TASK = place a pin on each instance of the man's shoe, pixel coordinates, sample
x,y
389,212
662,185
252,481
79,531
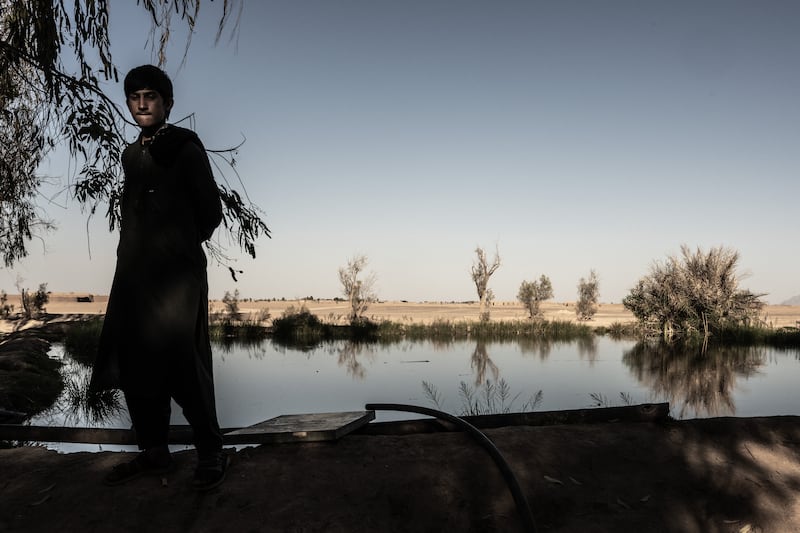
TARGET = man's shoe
x,y
151,462
211,471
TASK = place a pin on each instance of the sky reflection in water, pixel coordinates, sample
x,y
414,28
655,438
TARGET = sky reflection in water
x,y
258,382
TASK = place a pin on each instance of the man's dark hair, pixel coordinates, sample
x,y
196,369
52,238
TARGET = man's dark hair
x,y
149,77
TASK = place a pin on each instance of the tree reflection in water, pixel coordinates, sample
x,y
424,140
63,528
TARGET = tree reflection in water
x,y
540,346
349,354
587,348
700,382
441,345
254,348
481,362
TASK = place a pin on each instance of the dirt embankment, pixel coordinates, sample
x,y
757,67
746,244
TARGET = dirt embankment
x,y
716,475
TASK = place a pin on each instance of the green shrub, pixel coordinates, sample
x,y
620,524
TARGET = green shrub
x,y
698,292
621,330
588,295
532,293
5,308
300,326
33,304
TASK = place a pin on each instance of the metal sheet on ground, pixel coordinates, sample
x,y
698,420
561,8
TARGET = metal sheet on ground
x,y
311,427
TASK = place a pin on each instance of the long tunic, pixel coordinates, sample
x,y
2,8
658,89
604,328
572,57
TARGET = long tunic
x,y
156,324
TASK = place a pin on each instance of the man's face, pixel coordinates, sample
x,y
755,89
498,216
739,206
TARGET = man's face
x,y
148,107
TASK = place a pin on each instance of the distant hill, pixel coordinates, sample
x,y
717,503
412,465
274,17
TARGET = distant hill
x,y
794,300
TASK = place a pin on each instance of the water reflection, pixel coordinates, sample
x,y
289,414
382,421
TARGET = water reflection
x,y
536,346
282,344
481,363
256,381
699,382
348,357
587,348
442,345
542,347
226,339
255,349
76,406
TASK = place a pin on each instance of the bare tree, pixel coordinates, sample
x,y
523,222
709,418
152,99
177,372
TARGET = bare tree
x,y
588,295
481,272
533,293
358,288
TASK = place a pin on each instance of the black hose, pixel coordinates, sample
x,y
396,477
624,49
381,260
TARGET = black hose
x,y
523,508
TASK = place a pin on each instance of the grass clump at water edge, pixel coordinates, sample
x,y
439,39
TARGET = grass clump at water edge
x,y
492,398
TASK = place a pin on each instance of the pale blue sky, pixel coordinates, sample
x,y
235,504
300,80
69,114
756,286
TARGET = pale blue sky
x,y
571,135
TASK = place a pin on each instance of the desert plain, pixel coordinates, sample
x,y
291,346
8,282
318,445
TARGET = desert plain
x,y
65,306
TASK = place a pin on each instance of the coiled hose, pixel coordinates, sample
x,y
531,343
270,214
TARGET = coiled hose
x,y
524,510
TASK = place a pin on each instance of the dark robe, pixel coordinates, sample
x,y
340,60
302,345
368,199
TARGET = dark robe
x,y
156,324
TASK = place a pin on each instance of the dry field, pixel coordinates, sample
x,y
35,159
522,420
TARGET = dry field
x,y
67,306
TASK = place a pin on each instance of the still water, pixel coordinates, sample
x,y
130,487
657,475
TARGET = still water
x,y
258,382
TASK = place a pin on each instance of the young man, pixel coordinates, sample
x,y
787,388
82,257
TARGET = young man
x,y
154,345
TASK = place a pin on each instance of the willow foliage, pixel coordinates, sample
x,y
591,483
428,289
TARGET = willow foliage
x,y
54,59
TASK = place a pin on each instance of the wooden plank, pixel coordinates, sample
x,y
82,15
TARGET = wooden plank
x,y
650,412
287,428
653,412
23,433
183,434
312,427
